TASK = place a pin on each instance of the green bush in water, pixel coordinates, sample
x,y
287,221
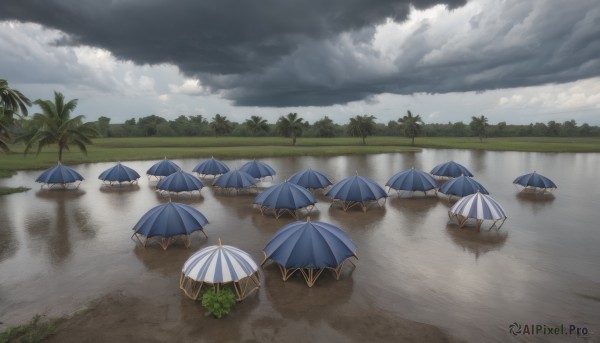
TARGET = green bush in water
x,y
218,303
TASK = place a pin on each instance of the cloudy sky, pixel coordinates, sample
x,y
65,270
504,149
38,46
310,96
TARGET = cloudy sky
x,y
518,61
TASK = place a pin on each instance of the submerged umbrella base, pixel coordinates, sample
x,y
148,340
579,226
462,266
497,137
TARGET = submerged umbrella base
x,y
164,242
243,287
311,274
364,205
184,194
232,190
119,183
463,221
278,212
535,190
70,185
400,192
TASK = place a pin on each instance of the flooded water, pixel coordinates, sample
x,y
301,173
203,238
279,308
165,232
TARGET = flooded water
x,y
59,250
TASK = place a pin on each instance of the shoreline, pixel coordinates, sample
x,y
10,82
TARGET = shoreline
x,y
152,148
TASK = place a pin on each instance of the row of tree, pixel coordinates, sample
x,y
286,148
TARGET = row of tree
x,y
55,125
293,126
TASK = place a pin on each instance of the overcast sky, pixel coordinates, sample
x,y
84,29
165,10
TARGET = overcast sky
x,y
517,61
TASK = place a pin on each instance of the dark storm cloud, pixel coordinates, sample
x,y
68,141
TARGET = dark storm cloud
x,y
314,52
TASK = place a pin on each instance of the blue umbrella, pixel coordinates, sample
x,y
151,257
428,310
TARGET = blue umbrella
x,y
179,182
311,179
234,179
258,169
535,181
462,186
450,170
412,180
285,197
59,175
119,174
168,221
480,207
309,247
218,265
163,168
211,167
356,190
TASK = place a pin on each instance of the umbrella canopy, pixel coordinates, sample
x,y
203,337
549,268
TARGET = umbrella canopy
x,y
309,246
169,220
478,206
450,170
59,175
218,264
119,174
235,179
356,190
462,186
285,197
311,179
535,181
258,169
412,180
211,167
179,182
163,168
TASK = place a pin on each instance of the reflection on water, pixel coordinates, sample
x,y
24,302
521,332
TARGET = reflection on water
x,y
477,242
412,264
8,242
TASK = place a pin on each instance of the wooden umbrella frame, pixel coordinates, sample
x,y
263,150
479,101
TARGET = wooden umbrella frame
x,y
425,193
462,221
534,190
120,183
346,205
243,287
66,185
164,242
235,190
310,274
278,212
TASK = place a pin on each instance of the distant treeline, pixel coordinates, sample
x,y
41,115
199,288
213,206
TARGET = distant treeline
x,y
198,125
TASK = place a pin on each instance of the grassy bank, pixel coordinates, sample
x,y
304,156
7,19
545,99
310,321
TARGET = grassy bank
x,y
11,190
32,332
123,149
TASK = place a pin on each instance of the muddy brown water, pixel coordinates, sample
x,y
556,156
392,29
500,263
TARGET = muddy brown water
x,y
59,250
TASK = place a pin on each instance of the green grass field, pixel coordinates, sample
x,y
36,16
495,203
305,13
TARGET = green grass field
x,y
124,149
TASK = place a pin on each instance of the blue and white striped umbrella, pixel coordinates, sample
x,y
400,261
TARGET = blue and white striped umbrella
x,y
258,169
179,182
310,179
450,170
211,167
219,264
163,168
119,173
59,174
478,206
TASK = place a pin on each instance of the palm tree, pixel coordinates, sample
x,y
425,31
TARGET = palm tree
x,y
411,125
478,125
257,125
221,125
362,126
290,126
55,126
12,101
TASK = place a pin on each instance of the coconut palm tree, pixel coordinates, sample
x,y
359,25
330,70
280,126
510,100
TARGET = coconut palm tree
x,y
12,101
411,125
4,137
257,125
290,126
221,125
478,125
55,126
361,126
